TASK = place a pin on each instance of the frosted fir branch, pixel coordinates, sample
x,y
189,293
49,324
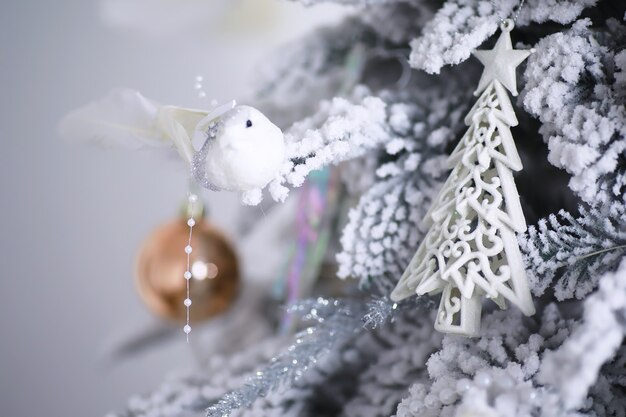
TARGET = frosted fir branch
x,y
384,229
340,130
320,391
570,254
611,385
190,393
379,310
460,26
366,377
540,366
337,322
334,320
397,358
574,367
349,379
492,375
574,86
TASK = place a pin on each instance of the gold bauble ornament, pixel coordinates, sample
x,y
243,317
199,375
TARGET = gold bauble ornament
x,y
161,263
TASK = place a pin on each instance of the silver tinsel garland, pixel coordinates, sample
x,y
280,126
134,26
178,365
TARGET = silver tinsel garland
x,y
334,321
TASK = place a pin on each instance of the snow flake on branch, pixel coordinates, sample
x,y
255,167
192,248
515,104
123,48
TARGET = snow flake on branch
x,y
571,254
575,87
460,26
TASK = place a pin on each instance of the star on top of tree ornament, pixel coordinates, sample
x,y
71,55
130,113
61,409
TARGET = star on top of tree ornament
x,y
501,61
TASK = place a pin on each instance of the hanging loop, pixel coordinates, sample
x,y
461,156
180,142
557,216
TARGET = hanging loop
x,y
507,25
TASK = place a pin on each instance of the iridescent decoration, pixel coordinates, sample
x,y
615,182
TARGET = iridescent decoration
x,y
317,202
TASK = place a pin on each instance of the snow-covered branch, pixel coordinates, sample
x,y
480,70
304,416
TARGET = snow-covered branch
x,y
397,355
575,87
570,254
340,130
460,26
491,375
574,367
336,322
385,227
189,394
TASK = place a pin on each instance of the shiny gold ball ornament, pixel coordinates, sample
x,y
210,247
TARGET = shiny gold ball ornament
x,y
161,265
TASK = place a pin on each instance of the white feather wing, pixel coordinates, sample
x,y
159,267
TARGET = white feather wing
x,y
122,118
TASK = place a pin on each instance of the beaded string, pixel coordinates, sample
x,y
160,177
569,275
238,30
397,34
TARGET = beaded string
x,y
191,222
515,15
519,8
199,87
197,172
193,198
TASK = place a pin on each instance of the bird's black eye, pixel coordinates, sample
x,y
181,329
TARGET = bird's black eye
x,y
248,123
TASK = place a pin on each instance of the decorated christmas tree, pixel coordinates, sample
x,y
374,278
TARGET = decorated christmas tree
x,y
378,104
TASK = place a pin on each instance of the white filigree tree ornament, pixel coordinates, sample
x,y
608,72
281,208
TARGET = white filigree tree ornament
x,y
471,250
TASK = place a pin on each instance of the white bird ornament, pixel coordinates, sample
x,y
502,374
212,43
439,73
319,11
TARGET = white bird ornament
x,y
242,149
237,147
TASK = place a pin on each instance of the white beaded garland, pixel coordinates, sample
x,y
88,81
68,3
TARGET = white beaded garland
x,y
193,198
199,87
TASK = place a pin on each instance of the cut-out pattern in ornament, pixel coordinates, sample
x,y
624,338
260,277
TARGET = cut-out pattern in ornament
x,y
471,250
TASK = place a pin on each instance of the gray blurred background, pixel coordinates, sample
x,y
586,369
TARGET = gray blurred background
x,y
73,215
